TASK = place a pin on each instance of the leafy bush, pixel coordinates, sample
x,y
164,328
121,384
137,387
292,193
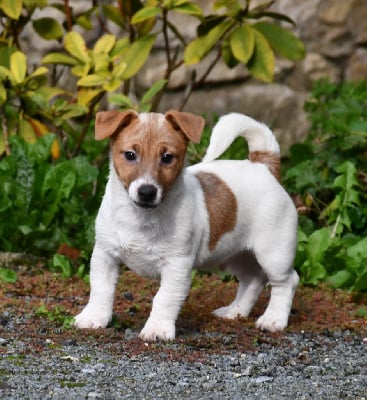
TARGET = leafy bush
x,y
44,204
31,107
327,173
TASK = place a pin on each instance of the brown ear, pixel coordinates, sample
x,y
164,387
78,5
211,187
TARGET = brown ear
x,y
191,125
108,122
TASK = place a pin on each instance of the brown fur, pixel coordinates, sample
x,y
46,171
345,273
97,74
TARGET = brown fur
x,y
149,140
221,205
271,160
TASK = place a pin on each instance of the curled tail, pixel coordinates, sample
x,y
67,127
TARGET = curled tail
x,y
263,147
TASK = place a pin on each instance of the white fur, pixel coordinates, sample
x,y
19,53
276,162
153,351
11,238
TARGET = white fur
x,y
167,242
259,137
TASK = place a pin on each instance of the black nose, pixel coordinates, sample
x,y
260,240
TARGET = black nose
x,y
147,193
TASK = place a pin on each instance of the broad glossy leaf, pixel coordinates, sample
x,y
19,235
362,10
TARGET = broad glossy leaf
x,y
201,46
281,40
5,73
12,8
262,62
242,43
18,66
145,14
81,69
86,95
59,58
112,85
91,80
38,72
189,9
360,283
227,54
76,46
113,14
120,47
104,44
48,28
3,96
26,131
136,56
340,279
318,243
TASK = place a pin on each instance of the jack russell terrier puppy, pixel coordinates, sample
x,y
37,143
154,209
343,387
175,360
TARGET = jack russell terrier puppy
x,y
161,219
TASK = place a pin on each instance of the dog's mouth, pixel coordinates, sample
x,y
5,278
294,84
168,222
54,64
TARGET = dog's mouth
x,y
147,206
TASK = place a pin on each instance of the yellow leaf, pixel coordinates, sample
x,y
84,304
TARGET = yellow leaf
x,y
262,62
55,149
18,66
41,129
25,131
12,8
242,43
85,95
76,46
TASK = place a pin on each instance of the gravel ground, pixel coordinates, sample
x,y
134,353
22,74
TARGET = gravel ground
x,y
300,366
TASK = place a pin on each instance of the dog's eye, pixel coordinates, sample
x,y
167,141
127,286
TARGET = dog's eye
x,y
130,155
167,158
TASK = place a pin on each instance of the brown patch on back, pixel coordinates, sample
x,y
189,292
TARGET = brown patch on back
x,y
271,160
221,205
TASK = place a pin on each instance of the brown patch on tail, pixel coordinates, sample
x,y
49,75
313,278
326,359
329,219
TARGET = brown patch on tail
x,y
271,160
221,205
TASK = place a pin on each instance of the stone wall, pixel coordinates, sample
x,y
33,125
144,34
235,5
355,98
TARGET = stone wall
x,y
335,36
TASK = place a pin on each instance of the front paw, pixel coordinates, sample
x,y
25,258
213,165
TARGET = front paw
x,y
92,318
158,330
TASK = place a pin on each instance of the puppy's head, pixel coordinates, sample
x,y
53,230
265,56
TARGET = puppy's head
x,y
148,149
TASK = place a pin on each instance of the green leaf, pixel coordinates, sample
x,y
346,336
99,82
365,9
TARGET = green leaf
x,y
189,9
282,41
201,46
48,28
113,14
360,283
318,242
91,80
8,275
136,56
18,66
12,8
3,96
59,58
348,177
159,85
313,273
61,263
340,279
144,14
38,72
262,62
121,100
76,46
230,60
242,42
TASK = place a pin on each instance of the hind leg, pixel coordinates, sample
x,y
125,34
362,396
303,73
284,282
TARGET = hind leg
x,y
277,263
251,282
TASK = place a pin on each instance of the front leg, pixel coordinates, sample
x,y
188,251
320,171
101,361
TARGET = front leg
x,y
103,278
175,285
